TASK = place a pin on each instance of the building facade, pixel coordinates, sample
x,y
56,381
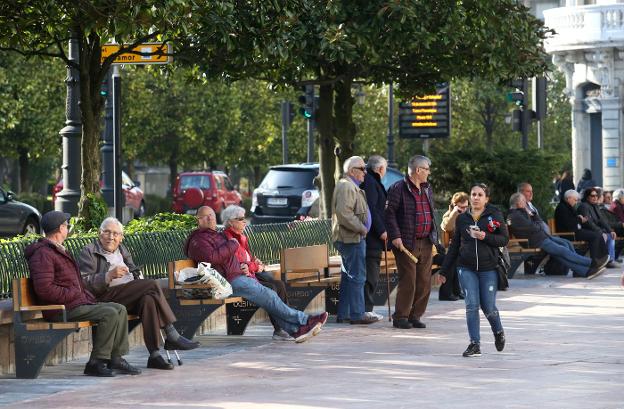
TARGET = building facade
x,y
588,48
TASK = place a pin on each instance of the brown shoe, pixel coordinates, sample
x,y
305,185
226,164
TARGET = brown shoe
x,y
365,320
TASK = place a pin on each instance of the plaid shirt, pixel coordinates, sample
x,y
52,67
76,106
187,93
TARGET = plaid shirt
x,y
422,227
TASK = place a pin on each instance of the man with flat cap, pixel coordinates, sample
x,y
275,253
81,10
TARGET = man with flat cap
x,y
56,280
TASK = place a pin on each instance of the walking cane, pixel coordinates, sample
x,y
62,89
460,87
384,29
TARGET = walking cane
x,y
174,351
387,276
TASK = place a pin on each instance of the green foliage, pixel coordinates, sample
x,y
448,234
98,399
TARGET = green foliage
x,y
95,211
155,204
162,222
36,200
500,168
246,204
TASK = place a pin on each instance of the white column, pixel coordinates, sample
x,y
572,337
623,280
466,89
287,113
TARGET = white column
x,y
611,161
581,157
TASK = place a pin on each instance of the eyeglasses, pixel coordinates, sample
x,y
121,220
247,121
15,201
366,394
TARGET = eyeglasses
x,y
112,233
240,219
593,195
423,168
363,169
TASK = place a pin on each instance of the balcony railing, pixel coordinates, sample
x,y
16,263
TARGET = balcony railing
x,y
582,27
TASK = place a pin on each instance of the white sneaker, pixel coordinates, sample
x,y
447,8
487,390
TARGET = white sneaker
x,y
282,335
373,314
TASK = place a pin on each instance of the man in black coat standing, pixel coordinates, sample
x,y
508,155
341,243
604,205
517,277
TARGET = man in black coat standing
x,y
376,199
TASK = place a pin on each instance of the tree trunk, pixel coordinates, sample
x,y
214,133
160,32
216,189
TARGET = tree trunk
x,y
326,145
24,167
345,128
91,105
173,168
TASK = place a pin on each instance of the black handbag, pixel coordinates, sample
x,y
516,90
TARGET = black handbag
x,y
502,268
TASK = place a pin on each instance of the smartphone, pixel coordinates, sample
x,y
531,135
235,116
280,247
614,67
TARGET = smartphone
x,y
472,230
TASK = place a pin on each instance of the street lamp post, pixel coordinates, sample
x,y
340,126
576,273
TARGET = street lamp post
x,y
67,199
391,162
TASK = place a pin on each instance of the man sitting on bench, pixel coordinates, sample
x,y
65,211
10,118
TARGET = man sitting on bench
x,y
523,224
56,280
109,272
206,244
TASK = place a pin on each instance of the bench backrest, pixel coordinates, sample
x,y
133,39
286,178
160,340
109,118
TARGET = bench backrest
x,y
23,294
301,261
178,265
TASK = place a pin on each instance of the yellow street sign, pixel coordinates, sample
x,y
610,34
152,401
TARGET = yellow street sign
x,y
146,55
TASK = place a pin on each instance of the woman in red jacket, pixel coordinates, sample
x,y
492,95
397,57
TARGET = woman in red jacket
x,y
233,218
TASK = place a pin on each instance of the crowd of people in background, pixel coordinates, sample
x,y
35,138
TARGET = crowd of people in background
x,y
104,285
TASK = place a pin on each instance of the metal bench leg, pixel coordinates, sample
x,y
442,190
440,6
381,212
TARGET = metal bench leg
x,y
238,316
190,317
33,347
381,293
300,297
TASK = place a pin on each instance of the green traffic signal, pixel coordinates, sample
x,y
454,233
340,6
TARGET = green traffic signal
x,y
306,114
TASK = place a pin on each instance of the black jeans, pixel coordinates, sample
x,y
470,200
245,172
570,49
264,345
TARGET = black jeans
x,y
373,260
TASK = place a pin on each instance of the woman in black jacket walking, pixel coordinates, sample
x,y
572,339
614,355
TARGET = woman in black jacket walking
x,y
478,235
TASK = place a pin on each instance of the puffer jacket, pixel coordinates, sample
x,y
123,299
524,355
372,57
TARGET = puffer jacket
x,y
349,212
94,266
474,254
56,277
212,247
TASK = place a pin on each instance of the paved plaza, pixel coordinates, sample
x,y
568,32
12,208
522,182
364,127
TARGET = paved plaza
x,y
565,349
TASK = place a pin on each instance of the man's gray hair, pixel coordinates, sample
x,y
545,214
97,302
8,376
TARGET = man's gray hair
x,y
351,163
569,193
515,199
110,220
522,185
231,212
375,162
618,194
417,161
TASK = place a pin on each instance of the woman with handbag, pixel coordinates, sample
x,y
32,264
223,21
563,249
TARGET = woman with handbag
x,y
479,233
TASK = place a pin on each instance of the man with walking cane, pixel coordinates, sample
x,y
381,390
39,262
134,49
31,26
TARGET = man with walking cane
x,y
411,226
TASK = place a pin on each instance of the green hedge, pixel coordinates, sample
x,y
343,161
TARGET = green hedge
x,y
155,204
499,168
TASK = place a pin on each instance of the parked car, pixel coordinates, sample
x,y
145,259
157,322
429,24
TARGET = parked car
x,y
391,177
17,217
286,192
207,188
133,193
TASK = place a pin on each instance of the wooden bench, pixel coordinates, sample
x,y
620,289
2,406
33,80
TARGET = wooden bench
x,y
519,252
36,338
191,313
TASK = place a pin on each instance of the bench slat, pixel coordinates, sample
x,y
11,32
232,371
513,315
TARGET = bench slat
x,y
42,308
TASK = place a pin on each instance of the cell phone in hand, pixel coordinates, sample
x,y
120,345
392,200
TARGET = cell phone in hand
x,y
472,230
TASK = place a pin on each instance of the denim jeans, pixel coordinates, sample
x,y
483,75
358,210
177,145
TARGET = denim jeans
x,y
611,247
480,290
352,279
564,252
287,318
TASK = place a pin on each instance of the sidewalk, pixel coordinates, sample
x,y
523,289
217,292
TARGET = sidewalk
x,y
565,349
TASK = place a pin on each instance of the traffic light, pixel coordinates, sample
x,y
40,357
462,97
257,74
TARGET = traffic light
x,y
291,112
104,87
306,100
519,96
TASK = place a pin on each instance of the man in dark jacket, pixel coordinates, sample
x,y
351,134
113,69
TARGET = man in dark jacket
x,y
56,280
109,272
525,225
377,235
411,226
596,222
568,221
208,245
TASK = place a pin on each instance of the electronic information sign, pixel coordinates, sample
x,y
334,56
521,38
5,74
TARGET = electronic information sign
x,y
428,116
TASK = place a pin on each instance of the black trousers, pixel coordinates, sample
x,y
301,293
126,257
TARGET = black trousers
x,y
278,286
597,245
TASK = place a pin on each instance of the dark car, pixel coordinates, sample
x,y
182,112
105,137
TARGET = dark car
x,y
17,217
204,188
286,192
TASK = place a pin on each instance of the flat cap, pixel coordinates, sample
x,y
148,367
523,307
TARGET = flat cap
x,y
52,220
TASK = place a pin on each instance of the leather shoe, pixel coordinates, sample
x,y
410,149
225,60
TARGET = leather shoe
x,y
402,323
158,363
448,298
97,368
122,366
416,323
181,344
365,320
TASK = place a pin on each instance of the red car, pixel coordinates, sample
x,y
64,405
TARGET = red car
x,y
192,190
134,195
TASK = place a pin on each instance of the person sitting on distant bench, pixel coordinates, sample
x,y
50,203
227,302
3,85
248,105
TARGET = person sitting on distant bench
x,y
568,221
108,271
206,244
596,222
523,224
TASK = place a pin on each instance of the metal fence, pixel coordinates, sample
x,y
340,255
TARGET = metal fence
x,y
152,251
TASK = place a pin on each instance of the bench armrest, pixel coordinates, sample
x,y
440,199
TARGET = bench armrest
x,y
42,308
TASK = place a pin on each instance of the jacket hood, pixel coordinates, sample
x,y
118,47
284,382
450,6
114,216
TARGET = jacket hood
x,y
32,248
587,175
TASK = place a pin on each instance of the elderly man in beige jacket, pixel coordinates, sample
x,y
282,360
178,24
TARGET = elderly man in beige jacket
x,y
351,220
